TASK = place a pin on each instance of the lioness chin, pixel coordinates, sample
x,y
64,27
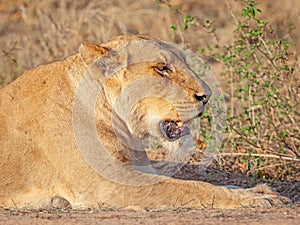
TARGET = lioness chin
x,y
72,131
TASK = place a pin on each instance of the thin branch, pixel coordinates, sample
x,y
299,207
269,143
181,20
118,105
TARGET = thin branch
x,y
242,136
272,165
241,31
268,57
197,22
260,155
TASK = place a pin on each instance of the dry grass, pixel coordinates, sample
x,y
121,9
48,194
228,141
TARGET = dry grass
x,y
35,32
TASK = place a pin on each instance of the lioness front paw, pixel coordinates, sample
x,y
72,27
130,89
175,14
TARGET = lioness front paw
x,y
263,196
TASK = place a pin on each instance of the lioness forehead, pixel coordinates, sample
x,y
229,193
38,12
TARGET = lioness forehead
x,y
130,51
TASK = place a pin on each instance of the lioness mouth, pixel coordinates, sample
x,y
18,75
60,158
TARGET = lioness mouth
x,y
173,130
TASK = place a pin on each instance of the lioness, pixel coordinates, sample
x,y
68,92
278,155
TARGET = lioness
x,y
72,131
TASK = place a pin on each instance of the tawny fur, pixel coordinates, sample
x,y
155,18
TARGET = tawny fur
x,y
41,165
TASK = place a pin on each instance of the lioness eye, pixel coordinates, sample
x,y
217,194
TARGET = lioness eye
x,y
163,69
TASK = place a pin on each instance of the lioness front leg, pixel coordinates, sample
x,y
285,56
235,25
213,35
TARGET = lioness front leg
x,y
173,193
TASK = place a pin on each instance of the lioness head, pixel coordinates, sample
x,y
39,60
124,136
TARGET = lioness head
x,y
150,87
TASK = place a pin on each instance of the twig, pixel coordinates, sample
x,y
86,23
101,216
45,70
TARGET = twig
x,y
196,21
243,137
241,31
272,165
12,200
267,56
259,155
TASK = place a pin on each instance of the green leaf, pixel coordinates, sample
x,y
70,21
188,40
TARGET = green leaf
x,y
174,27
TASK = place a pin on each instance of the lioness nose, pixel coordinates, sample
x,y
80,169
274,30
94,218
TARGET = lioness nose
x,y
201,98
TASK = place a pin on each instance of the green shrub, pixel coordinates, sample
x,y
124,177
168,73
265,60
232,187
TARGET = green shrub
x,y
263,111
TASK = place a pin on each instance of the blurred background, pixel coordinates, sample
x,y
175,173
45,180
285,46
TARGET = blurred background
x,y
36,32
262,135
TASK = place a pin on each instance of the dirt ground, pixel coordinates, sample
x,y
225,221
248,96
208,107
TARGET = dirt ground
x,y
289,216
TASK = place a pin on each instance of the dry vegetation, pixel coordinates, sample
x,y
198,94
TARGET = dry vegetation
x,y
260,141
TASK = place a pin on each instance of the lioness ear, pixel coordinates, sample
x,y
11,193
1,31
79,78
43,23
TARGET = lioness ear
x,y
90,52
